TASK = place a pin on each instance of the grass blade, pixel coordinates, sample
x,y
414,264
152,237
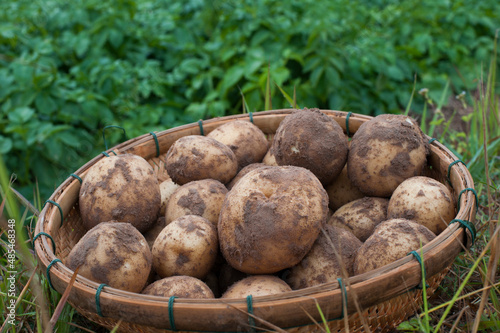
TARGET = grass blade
x,y
62,302
268,105
464,283
292,102
408,106
243,101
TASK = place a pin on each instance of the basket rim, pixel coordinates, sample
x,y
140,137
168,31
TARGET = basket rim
x,y
450,235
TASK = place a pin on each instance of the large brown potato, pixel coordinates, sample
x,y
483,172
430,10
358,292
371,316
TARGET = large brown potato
x,y
361,216
384,152
392,240
425,201
113,253
201,197
246,140
121,188
196,157
271,218
310,139
331,257
179,286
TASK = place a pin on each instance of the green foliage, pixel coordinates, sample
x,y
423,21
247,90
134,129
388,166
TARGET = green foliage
x,y
67,69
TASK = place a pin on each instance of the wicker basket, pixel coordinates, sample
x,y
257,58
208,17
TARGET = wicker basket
x,y
377,300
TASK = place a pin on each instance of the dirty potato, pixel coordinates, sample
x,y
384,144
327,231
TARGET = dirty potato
x,y
120,188
196,157
113,253
385,151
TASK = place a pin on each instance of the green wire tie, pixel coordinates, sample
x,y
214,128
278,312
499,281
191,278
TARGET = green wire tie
x,y
48,271
251,320
46,235
98,298
344,298
468,225
57,205
419,259
104,133
157,143
171,312
449,169
432,140
250,115
200,124
105,154
347,123
77,177
475,194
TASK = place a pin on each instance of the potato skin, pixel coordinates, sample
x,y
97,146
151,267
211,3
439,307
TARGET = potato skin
x,y
246,140
179,286
201,197
392,240
167,187
384,152
113,253
122,188
321,264
361,216
310,139
258,285
271,218
196,157
187,246
341,191
425,201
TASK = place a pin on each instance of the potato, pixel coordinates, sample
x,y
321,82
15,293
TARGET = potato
x,y
246,140
113,253
361,216
120,188
179,286
385,151
152,233
342,191
196,157
243,172
310,139
187,246
271,218
167,187
202,197
269,158
392,240
425,201
331,257
258,285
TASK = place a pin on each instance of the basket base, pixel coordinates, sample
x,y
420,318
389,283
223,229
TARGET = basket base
x,y
381,318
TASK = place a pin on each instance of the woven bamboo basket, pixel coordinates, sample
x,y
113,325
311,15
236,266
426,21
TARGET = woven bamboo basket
x,y
375,301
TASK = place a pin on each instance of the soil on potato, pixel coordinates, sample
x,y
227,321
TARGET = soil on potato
x,y
193,202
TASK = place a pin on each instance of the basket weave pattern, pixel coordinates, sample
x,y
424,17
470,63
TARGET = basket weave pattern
x,y
387,296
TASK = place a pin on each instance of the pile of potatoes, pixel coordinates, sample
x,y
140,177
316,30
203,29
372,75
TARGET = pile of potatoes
x,y
240,215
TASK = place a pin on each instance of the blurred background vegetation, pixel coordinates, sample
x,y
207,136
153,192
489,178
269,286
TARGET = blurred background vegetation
x,y
69,68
